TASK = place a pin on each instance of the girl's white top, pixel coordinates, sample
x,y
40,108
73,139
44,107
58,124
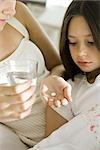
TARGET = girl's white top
x,y
82,132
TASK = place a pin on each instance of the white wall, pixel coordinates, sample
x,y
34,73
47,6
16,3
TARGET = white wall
x,y
63,3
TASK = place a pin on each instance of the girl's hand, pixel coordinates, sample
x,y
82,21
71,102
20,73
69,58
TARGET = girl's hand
x,y
16,101
55,91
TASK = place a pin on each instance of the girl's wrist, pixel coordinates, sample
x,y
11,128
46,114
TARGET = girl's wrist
x,y
57,71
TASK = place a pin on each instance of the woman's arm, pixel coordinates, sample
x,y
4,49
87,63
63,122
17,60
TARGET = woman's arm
x,y
38,35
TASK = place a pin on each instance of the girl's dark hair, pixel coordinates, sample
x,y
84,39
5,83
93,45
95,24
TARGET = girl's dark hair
x,y
90,10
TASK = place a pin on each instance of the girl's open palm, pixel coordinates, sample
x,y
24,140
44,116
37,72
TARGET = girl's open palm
x,y
55,91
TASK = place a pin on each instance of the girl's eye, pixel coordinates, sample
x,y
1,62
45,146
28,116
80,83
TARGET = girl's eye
x,y
91,43
72,43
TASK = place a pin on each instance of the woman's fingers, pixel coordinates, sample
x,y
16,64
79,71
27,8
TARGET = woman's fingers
x,y
17,111
18,104
24,106
6,101
12,116
11,90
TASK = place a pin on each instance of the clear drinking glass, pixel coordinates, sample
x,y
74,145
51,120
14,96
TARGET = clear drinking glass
x,y
20,72
3,74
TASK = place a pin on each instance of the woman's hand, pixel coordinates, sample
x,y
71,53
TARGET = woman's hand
x,y
16,101
55,91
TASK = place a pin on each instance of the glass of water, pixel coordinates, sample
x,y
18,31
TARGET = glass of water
x,y
20,72
3,74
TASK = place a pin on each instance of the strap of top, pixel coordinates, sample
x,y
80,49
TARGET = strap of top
x,y
18,26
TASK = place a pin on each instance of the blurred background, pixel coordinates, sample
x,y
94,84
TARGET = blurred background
x,y
50,14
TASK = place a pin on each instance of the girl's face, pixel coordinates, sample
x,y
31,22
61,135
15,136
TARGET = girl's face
x,y
7,10
82,46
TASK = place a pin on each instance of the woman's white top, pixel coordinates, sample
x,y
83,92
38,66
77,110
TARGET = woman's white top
x,y
30,129
82,132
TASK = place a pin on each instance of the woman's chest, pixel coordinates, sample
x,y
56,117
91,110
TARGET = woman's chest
x,y
10,39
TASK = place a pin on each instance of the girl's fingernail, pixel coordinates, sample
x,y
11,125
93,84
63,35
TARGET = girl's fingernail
x,y
58,103
64,102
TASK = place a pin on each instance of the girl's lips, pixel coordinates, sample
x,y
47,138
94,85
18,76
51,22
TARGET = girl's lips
x,y
84,63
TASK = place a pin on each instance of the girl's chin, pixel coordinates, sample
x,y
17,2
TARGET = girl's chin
x,y
86,69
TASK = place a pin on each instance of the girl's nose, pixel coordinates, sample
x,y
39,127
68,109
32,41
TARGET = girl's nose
x,y
82,53
82,50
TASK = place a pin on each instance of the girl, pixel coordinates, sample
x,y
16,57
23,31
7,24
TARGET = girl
x,y
80,91
22,118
